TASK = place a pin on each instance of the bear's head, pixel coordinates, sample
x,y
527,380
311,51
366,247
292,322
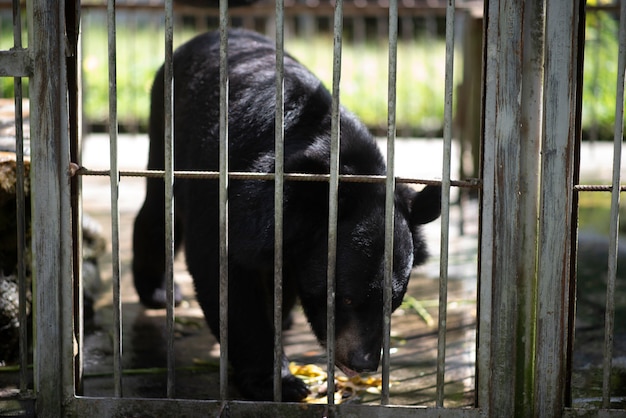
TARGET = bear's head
x,y
360,266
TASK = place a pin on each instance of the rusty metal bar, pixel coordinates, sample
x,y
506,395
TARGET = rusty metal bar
x,y
596,188
223,199
335,132
609,321
249,175
445,204
390,188
555,209
279,170
168,100
115,214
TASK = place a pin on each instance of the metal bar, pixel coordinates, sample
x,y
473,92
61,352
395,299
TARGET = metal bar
x,y
579,65
21,234
66,287
51,211
115,214
445,204
20,204
249,175
72,14
20,208
333,189
555,209
279,170
596,188
609,321
321,9
205,408
16,63
223,199
389,198
168,100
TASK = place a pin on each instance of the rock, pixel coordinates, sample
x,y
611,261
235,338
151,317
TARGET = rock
x,y
93,242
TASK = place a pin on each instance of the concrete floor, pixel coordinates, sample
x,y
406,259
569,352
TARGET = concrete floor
x,y
414,351
414,343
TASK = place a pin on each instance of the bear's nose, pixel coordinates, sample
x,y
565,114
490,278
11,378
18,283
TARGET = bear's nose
x,y
364,362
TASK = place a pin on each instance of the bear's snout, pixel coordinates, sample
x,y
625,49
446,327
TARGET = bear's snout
x,y
357,361
364,362
358,349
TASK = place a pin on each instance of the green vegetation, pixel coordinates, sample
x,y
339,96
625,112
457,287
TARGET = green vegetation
x,y
600,75
420,90
363,82
140,52
594,211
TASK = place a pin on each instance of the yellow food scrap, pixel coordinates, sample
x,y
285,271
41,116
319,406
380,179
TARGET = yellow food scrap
x,y
345,388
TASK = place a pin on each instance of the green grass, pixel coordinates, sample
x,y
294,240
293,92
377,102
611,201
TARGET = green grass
x,y
600,75
364,80
420,88
363,86
594,212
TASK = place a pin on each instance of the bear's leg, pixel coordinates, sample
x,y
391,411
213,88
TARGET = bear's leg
x,y
149,248
250,336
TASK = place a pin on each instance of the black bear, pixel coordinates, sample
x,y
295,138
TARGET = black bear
x,y
360,229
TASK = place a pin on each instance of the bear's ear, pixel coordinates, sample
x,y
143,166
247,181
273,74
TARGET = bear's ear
x,y
425,206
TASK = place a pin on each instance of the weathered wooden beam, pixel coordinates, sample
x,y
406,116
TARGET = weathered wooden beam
x,y
16,63
51,212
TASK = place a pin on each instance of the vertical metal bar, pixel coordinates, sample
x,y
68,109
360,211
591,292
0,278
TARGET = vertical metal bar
x,y
556,197
74,78
333,190
486,258
168,100
66,286
21,234
223,199
582,27
20,207
278,199
115,215
51,211
609,320
445,204
390,186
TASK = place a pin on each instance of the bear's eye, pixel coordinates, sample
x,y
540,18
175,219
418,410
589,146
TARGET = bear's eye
x,y
347,301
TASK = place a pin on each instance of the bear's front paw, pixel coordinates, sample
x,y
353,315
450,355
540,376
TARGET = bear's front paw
x,y
294,389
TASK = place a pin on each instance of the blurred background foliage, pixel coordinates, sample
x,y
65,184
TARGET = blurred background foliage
x,y
421,60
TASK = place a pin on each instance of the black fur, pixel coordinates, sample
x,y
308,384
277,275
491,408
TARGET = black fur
x,y
360,228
